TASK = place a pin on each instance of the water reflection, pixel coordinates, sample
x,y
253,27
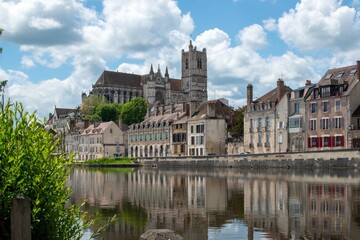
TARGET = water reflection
x,y
223,203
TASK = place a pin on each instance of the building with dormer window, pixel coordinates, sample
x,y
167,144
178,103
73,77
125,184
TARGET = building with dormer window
x,y
332,110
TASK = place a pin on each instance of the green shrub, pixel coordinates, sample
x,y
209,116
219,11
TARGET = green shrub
x,y
29,166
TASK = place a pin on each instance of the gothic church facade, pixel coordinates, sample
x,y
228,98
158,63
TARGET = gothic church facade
x,y
155,88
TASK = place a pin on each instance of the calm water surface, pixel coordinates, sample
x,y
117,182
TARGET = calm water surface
x,y
222,203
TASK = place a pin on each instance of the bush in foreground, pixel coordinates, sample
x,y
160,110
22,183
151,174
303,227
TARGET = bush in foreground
x,y
29,166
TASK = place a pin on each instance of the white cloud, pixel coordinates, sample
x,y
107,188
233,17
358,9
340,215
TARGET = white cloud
x,y
270,24
253,36
44,23
27,62
319,25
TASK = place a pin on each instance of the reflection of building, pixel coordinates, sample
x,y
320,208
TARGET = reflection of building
x,y
328,211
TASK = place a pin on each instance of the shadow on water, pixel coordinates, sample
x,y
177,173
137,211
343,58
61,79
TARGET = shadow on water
x,y
223,203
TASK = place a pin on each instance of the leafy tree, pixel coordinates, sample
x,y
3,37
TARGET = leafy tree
x,y
133,111
108,112
29,166
237,131
89,105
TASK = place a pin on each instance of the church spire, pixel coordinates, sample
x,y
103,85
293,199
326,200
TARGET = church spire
x,y
166,72
190,46
151,70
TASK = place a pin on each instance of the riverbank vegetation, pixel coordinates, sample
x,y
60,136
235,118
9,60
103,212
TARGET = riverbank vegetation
x,y
109,161
30,168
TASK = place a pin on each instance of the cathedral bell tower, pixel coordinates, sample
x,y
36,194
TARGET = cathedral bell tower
x,y
194,74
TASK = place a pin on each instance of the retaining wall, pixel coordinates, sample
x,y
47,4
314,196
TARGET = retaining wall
x,y
321,159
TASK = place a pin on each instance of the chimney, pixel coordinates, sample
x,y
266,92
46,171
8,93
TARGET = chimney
x,y
358,69
308,83
211,109
249,94
162,110
193,106
280,90
86,124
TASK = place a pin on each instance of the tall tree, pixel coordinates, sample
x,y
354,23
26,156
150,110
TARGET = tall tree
x,y
108,112
133,111
89,105
237,131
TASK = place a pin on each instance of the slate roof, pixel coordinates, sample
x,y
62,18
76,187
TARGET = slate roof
x,y
272,96
63,111
120,79
220,110
357,112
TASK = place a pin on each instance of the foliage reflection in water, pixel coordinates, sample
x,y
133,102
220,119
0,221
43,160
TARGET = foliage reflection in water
x,y
222,203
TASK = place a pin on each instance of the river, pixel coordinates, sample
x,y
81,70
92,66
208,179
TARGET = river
x,y
223,203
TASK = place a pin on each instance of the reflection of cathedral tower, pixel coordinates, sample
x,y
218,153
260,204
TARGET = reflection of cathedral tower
x,y
194,74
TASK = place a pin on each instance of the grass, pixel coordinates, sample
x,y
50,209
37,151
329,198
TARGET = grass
x,y
108,161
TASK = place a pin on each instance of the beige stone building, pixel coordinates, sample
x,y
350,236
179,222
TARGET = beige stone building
x,y
265,123
297,118
331,110
207,128
152,137
103,140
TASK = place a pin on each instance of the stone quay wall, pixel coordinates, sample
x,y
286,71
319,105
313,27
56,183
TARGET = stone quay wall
x,y
348,158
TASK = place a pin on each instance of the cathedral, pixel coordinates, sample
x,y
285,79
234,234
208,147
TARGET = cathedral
x,y
156,88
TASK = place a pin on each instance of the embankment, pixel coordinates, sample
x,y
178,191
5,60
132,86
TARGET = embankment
x,y
348,158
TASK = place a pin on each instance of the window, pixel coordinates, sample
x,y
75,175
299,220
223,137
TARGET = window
x,y
313,142
296,107
326,141
337,105
325,91
267,123
192,129
259,124
192,140
251,125
186,63
328,76
352,72
340,74
259,139
200,128
324,124
313,107
339,141
295,122
312,124
326,106
111,130
199,63
338,122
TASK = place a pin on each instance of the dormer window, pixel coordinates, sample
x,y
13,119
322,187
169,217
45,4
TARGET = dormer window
x,y
352,72
340,74
328,76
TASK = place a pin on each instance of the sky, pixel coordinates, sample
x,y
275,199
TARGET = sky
x,y
53,51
